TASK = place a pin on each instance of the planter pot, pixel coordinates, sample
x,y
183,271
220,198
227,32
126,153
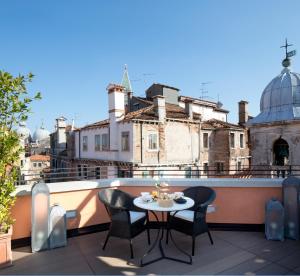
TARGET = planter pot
x,y
5,249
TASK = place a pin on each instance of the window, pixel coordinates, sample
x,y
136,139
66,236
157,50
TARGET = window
x,y
105,141
97,172
205,140
84,143
188,172
34,165
125,141
85,171
241,141
40,165
232,144
152,141
22,163
220,167
205,168
79,170
239,165
97,142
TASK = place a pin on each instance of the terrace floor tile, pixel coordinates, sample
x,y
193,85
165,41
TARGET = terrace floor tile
x,y
232,253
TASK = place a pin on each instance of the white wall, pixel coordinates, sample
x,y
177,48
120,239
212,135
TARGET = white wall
x,y
207,112
116,155
182,142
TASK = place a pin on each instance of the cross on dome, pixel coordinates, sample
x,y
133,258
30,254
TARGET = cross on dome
x,y
287,62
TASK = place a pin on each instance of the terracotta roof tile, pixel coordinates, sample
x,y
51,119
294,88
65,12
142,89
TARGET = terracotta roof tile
x,y
39,157
97,124
220,124
143,114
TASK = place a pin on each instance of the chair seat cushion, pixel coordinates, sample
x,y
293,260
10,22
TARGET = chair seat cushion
x,y
189,215
135,216
185,215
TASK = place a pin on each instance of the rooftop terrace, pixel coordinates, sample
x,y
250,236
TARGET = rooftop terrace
x,y
239,205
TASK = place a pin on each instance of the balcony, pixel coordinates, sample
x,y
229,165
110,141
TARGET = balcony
x,y
237,223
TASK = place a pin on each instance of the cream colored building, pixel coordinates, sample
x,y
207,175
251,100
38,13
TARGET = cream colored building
x,y
163,134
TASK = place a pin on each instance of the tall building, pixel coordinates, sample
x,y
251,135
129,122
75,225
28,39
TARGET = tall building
x,y
157,133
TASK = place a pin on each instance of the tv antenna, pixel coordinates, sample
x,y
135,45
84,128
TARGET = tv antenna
x,y
143,77
203,89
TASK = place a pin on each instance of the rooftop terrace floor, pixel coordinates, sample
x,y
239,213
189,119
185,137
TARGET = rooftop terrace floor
x,y
232,253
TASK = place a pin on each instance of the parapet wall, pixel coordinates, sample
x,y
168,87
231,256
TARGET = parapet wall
x,y
238,201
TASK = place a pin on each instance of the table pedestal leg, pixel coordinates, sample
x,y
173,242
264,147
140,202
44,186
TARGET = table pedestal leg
x,y
159,239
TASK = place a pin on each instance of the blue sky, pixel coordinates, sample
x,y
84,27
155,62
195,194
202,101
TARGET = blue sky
x,y
75,48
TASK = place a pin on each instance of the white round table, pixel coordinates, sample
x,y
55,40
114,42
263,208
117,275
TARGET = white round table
x,y
154,207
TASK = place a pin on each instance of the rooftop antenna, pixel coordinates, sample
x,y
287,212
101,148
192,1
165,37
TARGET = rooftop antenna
x,y
202,89
143,78
287,62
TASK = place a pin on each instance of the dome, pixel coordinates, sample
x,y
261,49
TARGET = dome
x,y
23,131
41,134
280,101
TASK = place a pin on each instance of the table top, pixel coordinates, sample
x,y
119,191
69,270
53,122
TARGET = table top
x,y
153,206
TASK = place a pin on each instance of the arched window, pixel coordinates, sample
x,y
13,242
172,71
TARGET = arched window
x,y
281,152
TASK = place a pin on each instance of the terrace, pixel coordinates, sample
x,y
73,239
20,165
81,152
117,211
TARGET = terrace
x,y
237,223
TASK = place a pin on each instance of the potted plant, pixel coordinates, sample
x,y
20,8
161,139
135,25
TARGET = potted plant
x,y
14,108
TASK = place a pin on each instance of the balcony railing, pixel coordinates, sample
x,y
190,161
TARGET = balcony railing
x,y
92,172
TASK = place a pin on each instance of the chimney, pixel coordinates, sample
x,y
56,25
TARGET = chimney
x,y
61,132
160,107
189,108
116,110
243,112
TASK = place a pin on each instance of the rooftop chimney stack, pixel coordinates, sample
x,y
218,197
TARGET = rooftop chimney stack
x,y
61,133
243,112
116,110
160,107
189,108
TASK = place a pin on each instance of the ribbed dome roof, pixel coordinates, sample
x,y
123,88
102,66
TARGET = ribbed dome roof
x,y
41,134
23,131
280,101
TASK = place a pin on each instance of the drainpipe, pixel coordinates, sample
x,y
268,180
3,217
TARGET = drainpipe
x,y
79,151
192,148
141,133
199,153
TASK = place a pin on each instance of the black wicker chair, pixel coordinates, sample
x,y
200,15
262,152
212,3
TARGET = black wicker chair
x,y
127,220
193,221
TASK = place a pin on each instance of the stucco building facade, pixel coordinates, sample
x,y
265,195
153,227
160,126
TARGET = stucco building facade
x,y
162,134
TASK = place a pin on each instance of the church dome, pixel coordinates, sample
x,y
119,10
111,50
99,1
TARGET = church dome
x,y
41,134
23,131
280,100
